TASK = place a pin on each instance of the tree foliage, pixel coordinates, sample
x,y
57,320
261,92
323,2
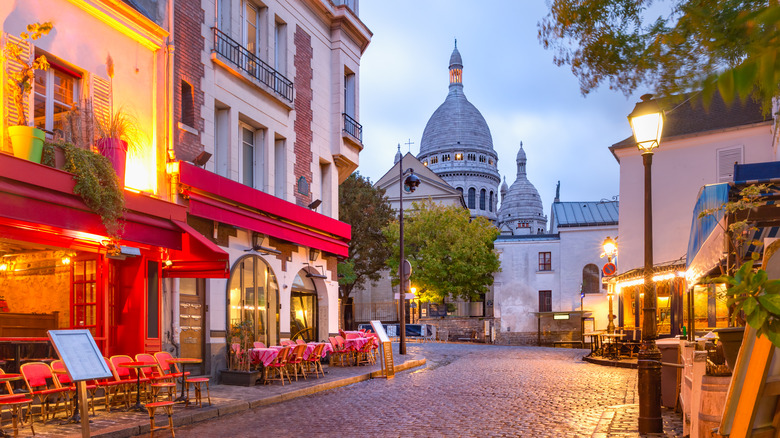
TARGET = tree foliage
x,y
451,256
725,45
367,210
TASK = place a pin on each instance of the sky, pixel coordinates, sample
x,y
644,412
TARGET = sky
x,y
507,75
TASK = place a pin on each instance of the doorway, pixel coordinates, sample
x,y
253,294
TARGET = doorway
x,y
192,318
304,309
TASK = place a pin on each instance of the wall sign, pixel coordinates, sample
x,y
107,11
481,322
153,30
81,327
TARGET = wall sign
x,y
303,186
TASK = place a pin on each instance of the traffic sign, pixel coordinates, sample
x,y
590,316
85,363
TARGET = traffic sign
x,y
609,269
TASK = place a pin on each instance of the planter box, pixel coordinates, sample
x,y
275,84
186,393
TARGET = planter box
x,y
239,378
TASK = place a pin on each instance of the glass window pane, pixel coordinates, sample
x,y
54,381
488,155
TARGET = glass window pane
x,y
235,305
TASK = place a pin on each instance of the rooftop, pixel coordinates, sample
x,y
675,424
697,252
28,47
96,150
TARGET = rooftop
x,y
585,214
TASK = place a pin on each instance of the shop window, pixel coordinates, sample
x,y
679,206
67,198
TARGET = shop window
x,y
545,301
55,90
545,261
590,279
253,296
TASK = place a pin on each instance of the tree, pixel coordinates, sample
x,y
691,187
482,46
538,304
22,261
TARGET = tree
x,y
725,45
367,210
451,256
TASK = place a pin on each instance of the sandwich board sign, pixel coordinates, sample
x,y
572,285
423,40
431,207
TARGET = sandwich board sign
x,y
83,361
386,353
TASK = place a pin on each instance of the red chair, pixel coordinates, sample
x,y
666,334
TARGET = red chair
x,y
35,376
347,350
153,371
114,387
196,383
163,358
314,359
258,344
15,402
280,365
168,406
286,342
364,353
296,360
300,341
65,382
338,353
124,374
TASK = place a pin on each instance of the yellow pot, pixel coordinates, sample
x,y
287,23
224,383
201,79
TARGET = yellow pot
x,y
27,142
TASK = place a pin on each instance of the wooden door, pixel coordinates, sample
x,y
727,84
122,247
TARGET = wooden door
x,y
192,318
87,298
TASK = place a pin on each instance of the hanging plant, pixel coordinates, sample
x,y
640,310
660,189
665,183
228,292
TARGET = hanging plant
x,y
97,184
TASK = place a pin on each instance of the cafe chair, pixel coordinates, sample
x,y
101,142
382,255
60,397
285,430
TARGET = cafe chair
x,y
258,344
65,382
15,402
300,341
238,356
286,342
364,353
114,387
347,350
36,376
338,353
279,365
296,360
168,407
153,372
314,360
196,383
163,358
124,374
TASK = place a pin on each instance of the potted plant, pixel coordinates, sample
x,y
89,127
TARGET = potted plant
x,y
27,141
115,130
240,371
750,296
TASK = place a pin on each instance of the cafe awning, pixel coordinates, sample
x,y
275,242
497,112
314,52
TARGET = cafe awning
x,y
198,258
705,242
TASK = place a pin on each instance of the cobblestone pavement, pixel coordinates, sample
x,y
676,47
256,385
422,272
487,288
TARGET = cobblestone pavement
x,y
465,390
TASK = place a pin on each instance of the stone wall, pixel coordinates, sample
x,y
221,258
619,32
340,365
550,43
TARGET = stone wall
x,y
453,329
551,331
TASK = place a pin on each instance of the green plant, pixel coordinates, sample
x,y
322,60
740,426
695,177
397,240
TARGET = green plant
x,y
20,82
98,186
47,156
116,124
241,334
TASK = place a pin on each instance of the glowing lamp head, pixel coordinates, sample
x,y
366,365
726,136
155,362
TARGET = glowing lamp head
x,y
647,123
66,260
610,247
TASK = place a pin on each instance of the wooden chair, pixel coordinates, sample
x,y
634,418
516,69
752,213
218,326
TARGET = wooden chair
x,y
295,361
258,344
15,402
346,350
196,383
280,365
65,382
300,341
124,374
163,358
168,407
364,353
314,359
114,387
338,353
36,376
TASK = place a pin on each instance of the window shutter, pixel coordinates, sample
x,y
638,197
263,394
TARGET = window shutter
x,y
101,97
726,160
10,67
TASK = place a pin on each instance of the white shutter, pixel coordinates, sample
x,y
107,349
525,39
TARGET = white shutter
x,y
101,97
10,67
725,162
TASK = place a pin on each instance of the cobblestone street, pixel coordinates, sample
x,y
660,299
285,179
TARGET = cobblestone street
x,y
465,390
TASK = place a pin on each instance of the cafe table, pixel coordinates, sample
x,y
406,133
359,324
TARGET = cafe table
x,y
137,367
613,340
184,361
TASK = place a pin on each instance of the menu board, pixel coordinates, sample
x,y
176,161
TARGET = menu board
x,y
386,356
80,353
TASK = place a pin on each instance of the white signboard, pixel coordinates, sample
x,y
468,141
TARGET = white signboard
x,y
379,329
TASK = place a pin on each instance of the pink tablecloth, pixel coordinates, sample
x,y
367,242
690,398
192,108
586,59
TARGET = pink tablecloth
x,y
264,355
356,343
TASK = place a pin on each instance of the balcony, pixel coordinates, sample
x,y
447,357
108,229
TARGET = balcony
x,y
353,128
253,66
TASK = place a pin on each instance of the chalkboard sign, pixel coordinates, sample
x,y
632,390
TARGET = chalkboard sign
x,y
81,355
386,355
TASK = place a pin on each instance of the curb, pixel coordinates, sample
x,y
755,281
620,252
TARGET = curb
x,y
232,407
609,363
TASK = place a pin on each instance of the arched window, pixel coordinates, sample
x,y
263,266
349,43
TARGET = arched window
x,y
472,198
482,199
252,289
303,309
490,204
590,279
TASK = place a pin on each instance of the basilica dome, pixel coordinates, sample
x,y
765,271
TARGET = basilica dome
x,y
521,209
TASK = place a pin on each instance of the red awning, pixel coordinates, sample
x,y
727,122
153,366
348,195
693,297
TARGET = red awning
x,y
199,257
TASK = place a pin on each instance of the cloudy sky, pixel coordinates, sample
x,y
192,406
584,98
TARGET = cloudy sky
x,y
507,75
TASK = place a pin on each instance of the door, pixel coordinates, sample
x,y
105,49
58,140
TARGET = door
x,y
87,298
192,318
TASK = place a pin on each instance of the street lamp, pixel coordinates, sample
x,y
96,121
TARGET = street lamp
x,y
647,122
610,250
409,184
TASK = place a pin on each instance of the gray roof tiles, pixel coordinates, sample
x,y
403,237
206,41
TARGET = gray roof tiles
x,y
583,214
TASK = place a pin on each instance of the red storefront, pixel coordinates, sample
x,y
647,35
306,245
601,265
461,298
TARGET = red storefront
x,y
59,270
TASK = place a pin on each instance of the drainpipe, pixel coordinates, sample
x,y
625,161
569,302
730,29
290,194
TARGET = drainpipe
x,y
170,155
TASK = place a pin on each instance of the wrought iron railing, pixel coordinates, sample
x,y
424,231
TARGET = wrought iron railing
x,y
352,127
249,63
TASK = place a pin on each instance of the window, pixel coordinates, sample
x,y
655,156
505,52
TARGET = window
x,y
56,90
590,279
251,27
280,168
251,157
545,261
434,159
458,157
187,104
482,199
445,157
471,157
325,187
472,198
545,301
460,189
490,161
222,141
726,160
252,289
280,46
490,202
153,300
349,94
481,158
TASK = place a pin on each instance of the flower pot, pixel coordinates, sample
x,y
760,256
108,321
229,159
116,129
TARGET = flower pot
x,y
239,378
27,142
731,338
116,151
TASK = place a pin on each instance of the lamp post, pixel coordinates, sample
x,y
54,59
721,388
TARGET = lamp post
x,y
610,250
410,183
647,121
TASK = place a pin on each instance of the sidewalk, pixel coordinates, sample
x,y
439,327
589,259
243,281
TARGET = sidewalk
x,y
225,400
